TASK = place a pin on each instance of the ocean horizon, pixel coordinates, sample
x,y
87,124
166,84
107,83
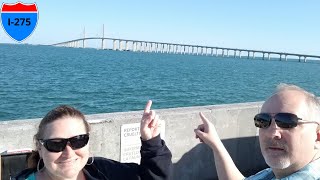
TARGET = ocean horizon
x,y
36,78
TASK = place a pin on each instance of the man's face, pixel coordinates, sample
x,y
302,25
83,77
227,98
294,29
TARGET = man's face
x,y
289,149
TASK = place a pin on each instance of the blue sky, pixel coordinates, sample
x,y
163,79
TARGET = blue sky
x,y
285,26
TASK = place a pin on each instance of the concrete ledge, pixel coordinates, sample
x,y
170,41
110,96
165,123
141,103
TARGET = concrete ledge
x,y
234,123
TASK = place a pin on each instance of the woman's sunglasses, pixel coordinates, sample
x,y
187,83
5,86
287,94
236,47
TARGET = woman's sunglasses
x,y
283,120
59,144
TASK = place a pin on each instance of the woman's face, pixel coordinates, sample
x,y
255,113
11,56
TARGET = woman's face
x,y
67,163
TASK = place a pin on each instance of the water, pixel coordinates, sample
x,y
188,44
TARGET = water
x,y
35,79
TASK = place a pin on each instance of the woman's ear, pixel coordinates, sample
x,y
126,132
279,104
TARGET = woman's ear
x,y
38,148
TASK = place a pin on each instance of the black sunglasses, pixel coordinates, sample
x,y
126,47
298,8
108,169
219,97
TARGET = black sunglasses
x,y
283,120
59,144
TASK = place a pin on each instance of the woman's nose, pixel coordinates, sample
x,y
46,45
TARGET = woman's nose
x,y
68,151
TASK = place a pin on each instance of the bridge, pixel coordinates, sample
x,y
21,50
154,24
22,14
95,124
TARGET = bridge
x,y
173,48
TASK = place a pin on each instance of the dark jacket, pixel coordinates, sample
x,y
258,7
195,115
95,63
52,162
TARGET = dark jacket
x,y
155,164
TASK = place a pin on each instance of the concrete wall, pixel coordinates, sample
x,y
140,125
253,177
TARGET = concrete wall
x,y
192,160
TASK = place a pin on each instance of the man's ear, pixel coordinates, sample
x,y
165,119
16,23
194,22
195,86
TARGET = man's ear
x,y
317,144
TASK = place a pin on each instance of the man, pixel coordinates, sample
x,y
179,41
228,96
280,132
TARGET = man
x,y
289,137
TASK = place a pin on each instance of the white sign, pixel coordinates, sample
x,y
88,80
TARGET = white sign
x,y
131,143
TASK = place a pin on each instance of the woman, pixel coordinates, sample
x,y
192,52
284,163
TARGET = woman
x,y
63,150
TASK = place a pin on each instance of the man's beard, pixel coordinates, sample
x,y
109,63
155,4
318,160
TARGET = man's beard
x,y
276,160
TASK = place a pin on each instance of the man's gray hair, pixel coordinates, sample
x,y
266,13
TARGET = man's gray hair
x,y
311,99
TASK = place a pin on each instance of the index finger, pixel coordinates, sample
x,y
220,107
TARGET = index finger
x,y
204,119
148,107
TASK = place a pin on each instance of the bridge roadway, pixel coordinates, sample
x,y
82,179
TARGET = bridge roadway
x,y
152,46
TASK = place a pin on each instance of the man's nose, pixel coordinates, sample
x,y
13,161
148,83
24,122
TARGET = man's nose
x,y
274,130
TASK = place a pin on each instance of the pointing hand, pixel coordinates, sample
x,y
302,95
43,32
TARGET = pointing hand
x,y
150,123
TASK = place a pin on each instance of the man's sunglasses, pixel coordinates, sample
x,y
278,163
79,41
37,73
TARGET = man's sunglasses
x,y
59,144
283,120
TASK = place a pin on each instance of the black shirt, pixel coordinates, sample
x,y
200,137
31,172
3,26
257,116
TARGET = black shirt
x,y
155,164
